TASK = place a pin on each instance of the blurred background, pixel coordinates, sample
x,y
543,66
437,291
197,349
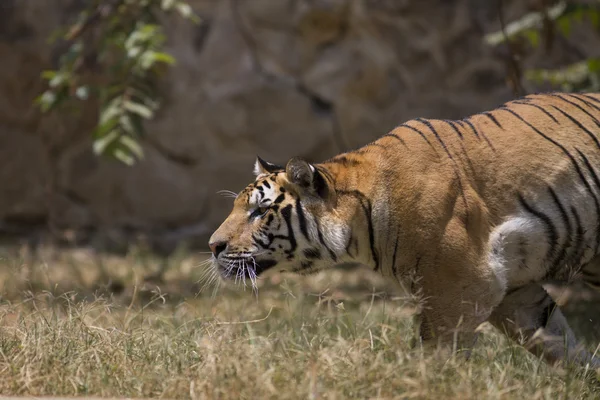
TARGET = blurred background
x,y
121,120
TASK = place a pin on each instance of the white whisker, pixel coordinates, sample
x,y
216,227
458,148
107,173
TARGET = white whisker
x,y
209,277
227,193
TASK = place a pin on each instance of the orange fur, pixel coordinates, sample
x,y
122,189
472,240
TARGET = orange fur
x,y
452,203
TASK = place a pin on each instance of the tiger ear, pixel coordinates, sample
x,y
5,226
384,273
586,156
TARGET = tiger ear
x,y
262,167
307,177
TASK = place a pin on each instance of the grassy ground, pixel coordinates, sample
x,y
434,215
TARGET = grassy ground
x,y
79,324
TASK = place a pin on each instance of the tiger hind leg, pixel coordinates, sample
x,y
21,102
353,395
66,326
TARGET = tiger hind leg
x,y
529,316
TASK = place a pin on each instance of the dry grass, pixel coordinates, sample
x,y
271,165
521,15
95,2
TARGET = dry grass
x,y
61,334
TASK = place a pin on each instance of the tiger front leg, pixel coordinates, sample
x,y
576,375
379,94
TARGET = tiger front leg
x,y
529,316
459,285
456,301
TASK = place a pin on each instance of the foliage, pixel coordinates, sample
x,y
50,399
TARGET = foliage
x,y
542,27
114,56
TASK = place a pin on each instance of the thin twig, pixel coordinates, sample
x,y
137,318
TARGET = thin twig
x,y
246,322
133,298
514,73
102,11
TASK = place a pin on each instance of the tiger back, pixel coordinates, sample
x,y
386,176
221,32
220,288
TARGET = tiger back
x,y
475,214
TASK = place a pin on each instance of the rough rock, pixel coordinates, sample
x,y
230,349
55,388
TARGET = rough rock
x,y
274,78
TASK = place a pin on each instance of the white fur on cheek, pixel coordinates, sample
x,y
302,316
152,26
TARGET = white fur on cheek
x,y
335,234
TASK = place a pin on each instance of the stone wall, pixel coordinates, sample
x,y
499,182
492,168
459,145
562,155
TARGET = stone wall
x,y
271,77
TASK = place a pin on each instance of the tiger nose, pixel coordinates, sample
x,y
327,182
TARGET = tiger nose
x,y
217,247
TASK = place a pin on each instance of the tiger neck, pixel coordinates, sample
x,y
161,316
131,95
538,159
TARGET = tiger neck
x,y
357,217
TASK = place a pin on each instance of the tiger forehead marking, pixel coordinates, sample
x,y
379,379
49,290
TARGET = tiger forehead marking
x,y
474,214
264,192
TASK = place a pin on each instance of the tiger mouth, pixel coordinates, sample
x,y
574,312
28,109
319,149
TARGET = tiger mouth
x,y
243,268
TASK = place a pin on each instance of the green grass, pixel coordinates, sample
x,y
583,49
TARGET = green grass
x,y
338,335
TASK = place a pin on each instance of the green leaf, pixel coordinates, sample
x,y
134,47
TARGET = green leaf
x,y
595,19
564,26
49,74
101,144
134,51
164,57
133,146
533,37
125,158
530,21
111,110
58,79
46,100
184,10
126,124
568,77
103,129
594,65
139,109
136,121
128,49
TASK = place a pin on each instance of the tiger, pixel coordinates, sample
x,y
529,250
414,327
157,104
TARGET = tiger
x,y
475,215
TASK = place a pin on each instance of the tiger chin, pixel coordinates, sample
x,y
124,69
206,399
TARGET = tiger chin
x,y
473,214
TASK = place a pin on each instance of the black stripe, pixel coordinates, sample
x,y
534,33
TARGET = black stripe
x,y
592,98
257,240
554,142
466,121
542,109
493,119
393,136
286,212
454,127
549,226
578,170
312,253
482,134
568,238
348,244
437,136
592,277
375,144
416,275
301,219
456,169
523,243
306,264
419,132
394,271
344,160
579,238
322,240
590,134
546,314
596,180
367,209
267,184
587,103
279,199
579,107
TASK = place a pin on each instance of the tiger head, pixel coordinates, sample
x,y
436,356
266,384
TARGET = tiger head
x,y
286,220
